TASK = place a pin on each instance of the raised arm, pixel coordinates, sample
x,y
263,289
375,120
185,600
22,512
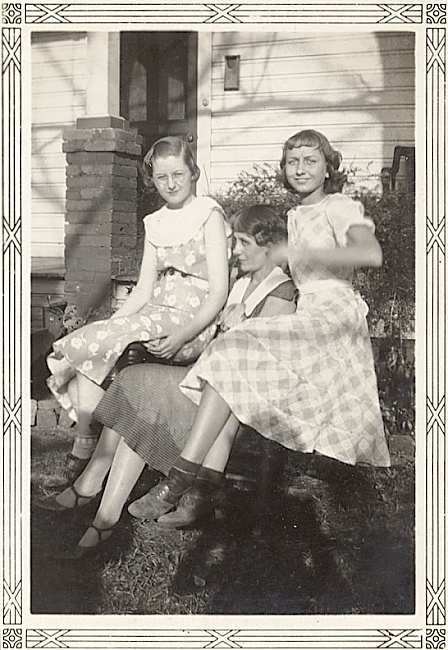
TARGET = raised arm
x,y
142,291
362,249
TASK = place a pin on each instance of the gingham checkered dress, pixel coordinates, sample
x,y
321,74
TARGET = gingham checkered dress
x,y
306,380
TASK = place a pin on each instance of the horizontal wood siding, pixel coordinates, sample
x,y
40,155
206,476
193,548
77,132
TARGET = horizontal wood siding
x,y
58,99
358,89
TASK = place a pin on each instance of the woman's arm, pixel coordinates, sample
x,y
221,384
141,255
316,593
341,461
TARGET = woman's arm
x,y
362,249
142,291
218,274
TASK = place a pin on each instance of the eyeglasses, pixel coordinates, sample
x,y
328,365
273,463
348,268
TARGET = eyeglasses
x,y
177,178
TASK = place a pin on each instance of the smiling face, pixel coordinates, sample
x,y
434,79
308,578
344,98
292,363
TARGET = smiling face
x,y
173,180
251,257
305,171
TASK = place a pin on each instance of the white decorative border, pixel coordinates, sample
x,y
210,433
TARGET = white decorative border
x,y
436,321
197,13
12,322
15,17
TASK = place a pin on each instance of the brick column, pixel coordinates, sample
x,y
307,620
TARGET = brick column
x,y
101,209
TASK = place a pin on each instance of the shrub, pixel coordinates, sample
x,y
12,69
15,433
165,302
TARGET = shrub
x,y
395,370
258,186
390,290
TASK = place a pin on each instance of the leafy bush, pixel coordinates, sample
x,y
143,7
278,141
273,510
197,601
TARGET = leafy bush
x,y
390,290
395,370
258,186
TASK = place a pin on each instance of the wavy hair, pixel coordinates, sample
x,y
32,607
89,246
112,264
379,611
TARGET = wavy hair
x,y
165,147
310,138
262,223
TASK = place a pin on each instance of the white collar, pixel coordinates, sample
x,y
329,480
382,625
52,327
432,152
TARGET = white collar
x,y
275,278
175,227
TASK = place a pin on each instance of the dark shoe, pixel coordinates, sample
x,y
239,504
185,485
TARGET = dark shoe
x,y
78,552
51,503
192,508
73,468
159,500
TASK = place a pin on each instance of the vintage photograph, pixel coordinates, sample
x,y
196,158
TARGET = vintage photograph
x,y
224,325
223,250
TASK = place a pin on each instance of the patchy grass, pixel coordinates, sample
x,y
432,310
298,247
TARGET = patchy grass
x,y
331,540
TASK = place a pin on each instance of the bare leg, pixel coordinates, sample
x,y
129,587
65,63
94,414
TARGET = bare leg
x,y
219,453
91,480
125,471
213,413
89,396
212,416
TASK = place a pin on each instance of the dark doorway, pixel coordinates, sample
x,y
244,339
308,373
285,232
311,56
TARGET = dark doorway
x,y
159,84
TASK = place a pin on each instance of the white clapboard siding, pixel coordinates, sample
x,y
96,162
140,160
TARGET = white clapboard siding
x,y
58,98
357,88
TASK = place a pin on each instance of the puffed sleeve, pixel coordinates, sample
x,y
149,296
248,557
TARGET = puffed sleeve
x,y
342,213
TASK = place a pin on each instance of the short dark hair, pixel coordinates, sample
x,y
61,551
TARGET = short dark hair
x,y
310,138
165,147
262,223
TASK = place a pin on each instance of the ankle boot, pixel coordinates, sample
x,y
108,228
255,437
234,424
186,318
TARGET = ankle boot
x,y
165,496
160,499
192,508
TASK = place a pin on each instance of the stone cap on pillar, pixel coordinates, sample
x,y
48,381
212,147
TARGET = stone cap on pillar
x,y
102,121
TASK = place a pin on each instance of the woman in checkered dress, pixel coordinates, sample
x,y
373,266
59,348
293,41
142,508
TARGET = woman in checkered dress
x,y
305,380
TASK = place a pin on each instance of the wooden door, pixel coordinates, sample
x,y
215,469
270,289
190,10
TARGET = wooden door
x,y
159,84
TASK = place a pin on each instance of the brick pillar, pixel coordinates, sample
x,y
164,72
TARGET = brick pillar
x,y
101,209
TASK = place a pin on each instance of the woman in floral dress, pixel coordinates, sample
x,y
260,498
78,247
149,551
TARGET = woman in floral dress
x,y
182,286
147,418
307,380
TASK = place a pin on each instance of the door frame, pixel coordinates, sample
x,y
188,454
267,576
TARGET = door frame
x,y
204,111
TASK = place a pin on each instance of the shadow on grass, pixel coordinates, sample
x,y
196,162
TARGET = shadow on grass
x,y
59,586
325,547
268,565
331,540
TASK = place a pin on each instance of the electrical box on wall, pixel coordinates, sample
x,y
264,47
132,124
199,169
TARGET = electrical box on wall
x,y
232,72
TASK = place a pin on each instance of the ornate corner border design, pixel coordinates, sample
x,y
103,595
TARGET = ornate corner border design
x,y
12,13
436,14
436,639
12,638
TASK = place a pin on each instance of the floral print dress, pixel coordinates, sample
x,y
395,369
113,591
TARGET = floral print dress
x,y
180,289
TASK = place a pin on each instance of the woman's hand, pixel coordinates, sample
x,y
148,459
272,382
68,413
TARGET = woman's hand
x,y
166,347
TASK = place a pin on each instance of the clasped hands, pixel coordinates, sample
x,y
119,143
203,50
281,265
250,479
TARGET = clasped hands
x,y
165,347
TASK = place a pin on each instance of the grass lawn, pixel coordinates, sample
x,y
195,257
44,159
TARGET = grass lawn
x,y
333,540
